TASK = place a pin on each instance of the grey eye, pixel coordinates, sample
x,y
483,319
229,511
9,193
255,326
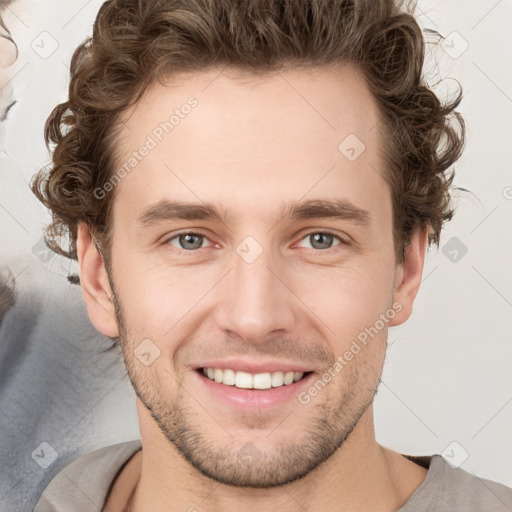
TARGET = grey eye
x,y
321,240
189,241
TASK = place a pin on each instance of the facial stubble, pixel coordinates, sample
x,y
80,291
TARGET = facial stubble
x,y
238,464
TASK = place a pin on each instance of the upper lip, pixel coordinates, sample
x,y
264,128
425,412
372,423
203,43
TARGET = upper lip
x,y
254,366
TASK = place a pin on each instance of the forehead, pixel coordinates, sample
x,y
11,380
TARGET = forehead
x,y
246,137
330,100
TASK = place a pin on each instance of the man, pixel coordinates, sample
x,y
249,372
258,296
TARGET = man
x,y
249,189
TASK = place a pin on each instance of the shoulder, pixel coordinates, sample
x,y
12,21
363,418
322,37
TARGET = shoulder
x,y
450,489
84,484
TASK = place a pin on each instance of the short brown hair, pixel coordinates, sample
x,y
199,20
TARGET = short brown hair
x,y
136,42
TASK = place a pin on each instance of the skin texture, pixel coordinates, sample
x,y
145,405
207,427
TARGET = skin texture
x,y
250,146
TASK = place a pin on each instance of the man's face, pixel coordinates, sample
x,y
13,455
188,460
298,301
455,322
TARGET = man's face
x,y
258,292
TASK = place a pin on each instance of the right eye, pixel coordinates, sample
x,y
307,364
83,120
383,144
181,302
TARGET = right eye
x,y
187,241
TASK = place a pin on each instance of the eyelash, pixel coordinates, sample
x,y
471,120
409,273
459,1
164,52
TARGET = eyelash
x,y
191,252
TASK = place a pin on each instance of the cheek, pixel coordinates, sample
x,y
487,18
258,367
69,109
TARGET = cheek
x,y
345,300
158,301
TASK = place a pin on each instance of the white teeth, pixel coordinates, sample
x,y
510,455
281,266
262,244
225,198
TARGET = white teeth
x,y
288,378
246,380
243,380
277,379
229,377
262,381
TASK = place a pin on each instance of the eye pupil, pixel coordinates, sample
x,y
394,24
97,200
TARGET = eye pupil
x,y
320,238
186,238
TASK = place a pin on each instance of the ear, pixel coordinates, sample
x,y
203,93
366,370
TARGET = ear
x,y
408,276
95,284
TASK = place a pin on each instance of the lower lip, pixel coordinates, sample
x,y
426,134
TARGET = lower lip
x,y
251,399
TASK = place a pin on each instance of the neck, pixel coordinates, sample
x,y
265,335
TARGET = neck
x,y
360,476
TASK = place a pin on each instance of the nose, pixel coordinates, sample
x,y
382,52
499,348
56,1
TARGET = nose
x,y
256,302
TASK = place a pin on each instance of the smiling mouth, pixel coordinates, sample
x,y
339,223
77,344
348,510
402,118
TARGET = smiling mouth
x,y
245,380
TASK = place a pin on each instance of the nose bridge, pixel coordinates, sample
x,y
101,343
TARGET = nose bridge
x,y
255,302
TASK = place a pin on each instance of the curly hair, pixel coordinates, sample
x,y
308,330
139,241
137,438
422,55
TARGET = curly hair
x,y
136,42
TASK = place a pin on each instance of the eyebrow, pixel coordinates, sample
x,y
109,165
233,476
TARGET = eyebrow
x,y
166,210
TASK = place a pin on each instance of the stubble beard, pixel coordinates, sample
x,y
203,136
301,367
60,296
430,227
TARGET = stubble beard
x,y
250,465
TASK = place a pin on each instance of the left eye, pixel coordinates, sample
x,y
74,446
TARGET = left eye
x,y
321,240
188,241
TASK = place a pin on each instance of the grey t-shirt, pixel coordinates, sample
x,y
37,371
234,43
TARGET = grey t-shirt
x,y
85,484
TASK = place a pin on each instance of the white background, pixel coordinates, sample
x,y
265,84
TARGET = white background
x,y
448,373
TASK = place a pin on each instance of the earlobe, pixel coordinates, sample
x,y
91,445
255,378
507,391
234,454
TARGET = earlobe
x,y
95,284
408,276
